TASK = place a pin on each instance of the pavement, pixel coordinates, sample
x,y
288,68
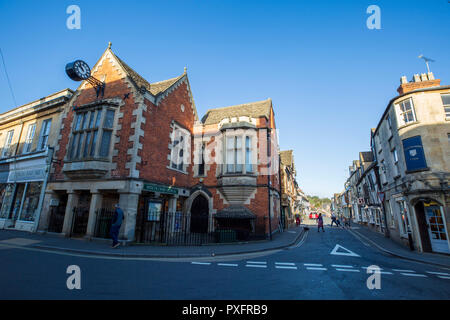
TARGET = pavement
x,y
393,248
53,242
286,239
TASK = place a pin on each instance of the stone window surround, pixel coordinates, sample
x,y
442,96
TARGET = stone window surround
x,y
186,150
243,133
103,105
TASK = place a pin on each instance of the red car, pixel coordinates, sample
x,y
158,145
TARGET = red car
x,y
313,215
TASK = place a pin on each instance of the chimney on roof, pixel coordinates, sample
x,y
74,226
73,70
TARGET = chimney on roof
x,y
425,80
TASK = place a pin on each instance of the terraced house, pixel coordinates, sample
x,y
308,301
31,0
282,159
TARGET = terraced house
x,y
178,178
28,136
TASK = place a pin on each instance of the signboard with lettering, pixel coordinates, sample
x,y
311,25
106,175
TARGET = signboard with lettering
x,y
27,170
159,188
414,154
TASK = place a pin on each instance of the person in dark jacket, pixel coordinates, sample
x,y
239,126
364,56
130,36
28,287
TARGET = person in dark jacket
x,y
115,226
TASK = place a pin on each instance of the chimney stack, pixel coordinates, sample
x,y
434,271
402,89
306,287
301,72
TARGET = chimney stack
x,y
419,82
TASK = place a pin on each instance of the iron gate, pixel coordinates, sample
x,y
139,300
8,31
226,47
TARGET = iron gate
x,y
103,223
56,221
80,221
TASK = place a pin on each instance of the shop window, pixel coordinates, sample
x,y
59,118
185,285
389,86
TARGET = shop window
x,y
31,201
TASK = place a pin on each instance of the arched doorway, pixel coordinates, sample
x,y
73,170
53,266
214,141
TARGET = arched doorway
x,y
432,226
199,215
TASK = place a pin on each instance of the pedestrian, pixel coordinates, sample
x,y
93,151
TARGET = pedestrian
x,y
320,223
297,220
115,226
333,219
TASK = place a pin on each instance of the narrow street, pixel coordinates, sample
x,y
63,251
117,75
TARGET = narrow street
x,y
307,270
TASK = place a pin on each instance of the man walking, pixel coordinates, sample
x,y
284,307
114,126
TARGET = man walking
x,y
115,226
333,219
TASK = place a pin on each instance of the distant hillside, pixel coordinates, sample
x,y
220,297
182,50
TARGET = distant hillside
x,y
317,202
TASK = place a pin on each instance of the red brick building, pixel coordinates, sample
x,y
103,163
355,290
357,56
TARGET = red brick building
x,y
143,145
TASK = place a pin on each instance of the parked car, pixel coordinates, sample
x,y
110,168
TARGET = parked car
x,y
313,215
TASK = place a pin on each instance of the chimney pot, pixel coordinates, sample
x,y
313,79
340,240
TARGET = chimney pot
x,y
416,78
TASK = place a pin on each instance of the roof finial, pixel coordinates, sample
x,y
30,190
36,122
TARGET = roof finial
x,y
109,45
185,69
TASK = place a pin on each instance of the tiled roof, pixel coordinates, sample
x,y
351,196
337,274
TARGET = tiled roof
x,y
154,88
252,109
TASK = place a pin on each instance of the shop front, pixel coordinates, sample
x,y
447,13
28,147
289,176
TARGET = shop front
x,y
22,191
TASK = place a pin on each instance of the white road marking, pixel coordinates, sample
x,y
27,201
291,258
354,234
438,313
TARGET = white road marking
x,y
312,265
19,241
341,266
257,262
368,268
286,267
202,263
317,269
443,277
227,264
347,253
401,270
413,275
285,263
439,273
347,270
256,265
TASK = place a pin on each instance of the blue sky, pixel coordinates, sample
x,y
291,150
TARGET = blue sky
x,y
329,76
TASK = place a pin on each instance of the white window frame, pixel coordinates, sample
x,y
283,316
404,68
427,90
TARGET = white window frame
x,y
244,161
7,145
401,114
446,106
29,138
180,162
44,134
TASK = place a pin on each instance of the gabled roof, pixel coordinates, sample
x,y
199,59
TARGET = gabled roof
x,y
154,88
253,109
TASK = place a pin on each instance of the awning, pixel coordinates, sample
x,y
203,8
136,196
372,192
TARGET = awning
x,y
235,212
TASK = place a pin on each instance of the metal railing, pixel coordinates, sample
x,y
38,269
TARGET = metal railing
x,y
56,220
103,223
185,229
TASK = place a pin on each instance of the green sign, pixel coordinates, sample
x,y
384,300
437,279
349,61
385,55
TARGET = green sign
x,y
160,189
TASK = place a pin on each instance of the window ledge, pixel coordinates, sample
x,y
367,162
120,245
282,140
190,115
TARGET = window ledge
x,y
177,170
408,124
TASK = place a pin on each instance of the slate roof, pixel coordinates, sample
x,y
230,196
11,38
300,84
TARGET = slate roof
x,y
235,212
154,88
253,109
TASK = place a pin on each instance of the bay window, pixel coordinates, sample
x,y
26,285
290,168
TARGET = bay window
x,y
92,133
239,154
